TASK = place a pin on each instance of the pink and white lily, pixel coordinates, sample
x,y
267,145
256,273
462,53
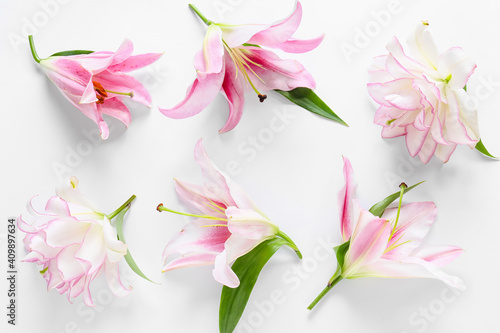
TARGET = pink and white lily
x,y
233,59
228,224
423,98
389,246
74,243
96,82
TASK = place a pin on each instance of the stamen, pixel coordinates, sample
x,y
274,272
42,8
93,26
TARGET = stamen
x,y
102,93
241,62
403,187
162,208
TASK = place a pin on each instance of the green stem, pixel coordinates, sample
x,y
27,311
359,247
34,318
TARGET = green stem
x,y
403,187
290,243
33,51
336,278
200,15
162,208
122,207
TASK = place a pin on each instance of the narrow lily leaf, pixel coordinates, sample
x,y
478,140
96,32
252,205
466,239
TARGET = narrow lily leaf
x,y
128,257
247,268
379,208
307,99
480,146
71,52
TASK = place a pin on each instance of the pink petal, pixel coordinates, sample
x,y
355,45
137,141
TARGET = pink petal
x,y
201,93
414,140
457,131
345,201
115,108
113,278
396,69
94,62
68,75
393,131
235,94
300,45
57,206
201,200
368,242
280,32
191,260
223,273
444,152
415,221
249,224
428,148
439,255
238,245
124,83
411,267
211,58
198,236
276,73
399,93
215,181
236,35
135,62
124,51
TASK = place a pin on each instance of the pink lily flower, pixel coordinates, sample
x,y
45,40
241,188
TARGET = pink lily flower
x,y
389,246
96,83
233,61
423,98
230,224
74,243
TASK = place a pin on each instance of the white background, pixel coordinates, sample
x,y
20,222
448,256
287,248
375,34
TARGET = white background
x,y
294,176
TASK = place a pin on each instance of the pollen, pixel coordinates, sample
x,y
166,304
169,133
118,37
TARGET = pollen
x,y
101,94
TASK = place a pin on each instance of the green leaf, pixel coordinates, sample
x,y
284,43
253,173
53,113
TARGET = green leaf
x,y
480,146
128,257
340,252
247,268
306,98
71,52
379,208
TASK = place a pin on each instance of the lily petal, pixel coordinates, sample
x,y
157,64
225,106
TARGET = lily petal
x,y
423,47
234,92
439,255
276,73
211,58
223,273
134,62
280,32
249,224
458,64
345,201
113,278
126,84
199,95
115,108
236,35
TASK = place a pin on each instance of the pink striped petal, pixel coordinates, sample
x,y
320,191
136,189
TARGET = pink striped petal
x,y
236,35
123,53
411,267
249,224
215,181
211,58
276,73
113,107
135,62
223,273
280,32
235,94
300,45
415,221
191,260
345,201
113,278
199,95
198,236
439,255
124,83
